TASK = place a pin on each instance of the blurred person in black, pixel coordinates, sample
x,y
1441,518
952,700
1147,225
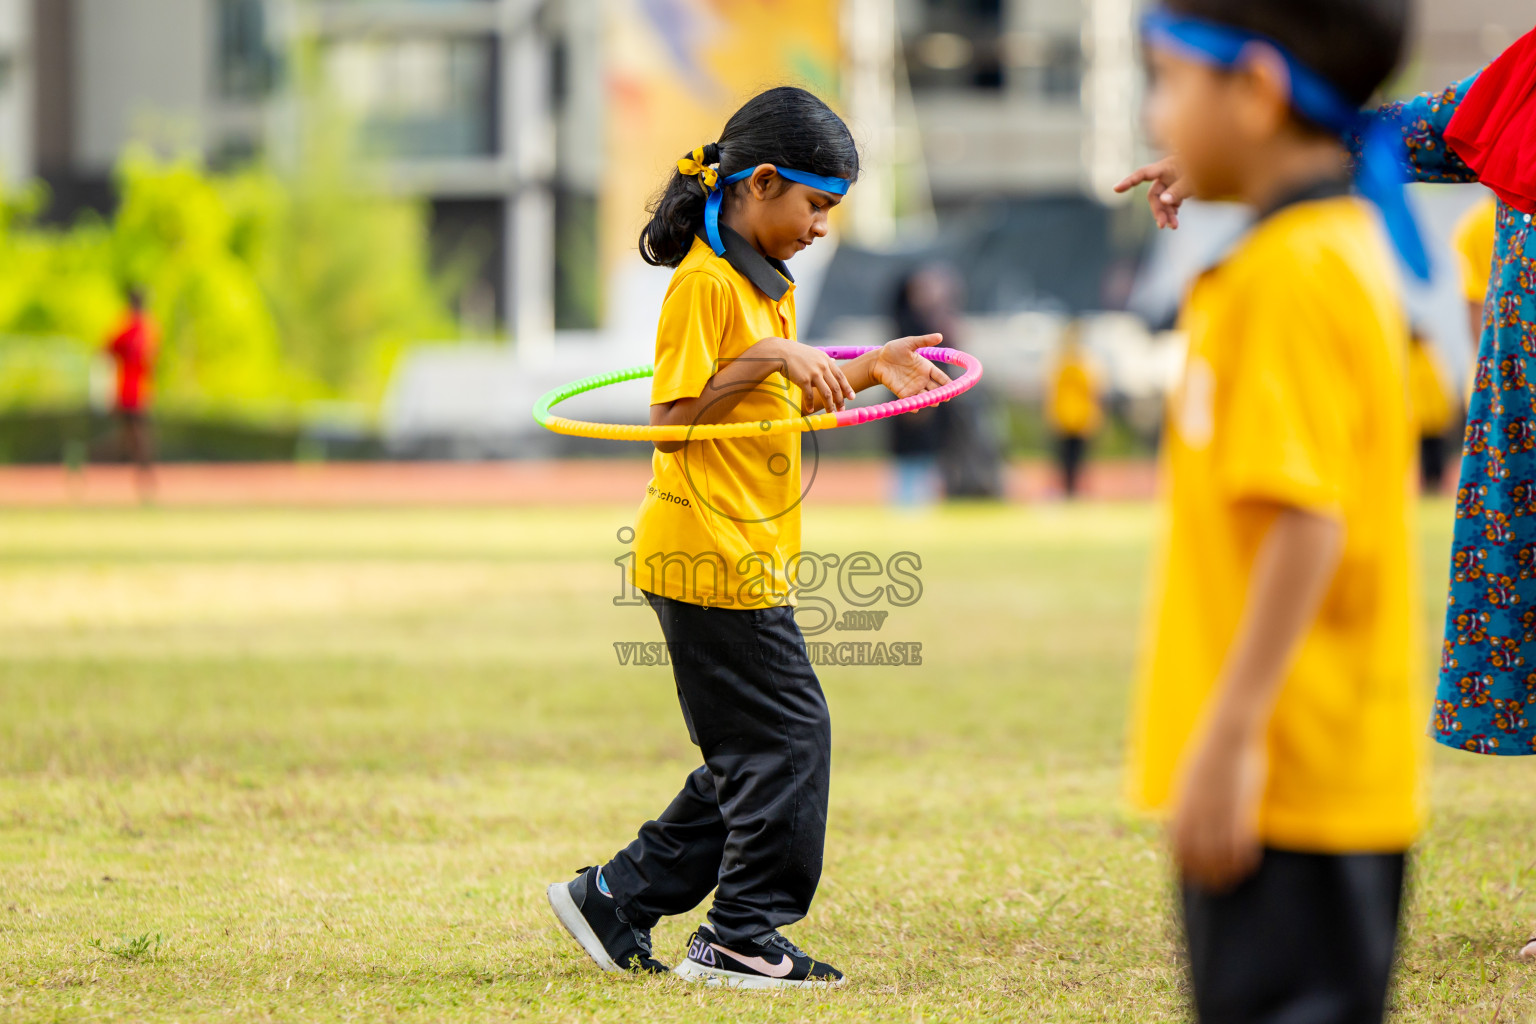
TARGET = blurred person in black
x,y
925,298
956,444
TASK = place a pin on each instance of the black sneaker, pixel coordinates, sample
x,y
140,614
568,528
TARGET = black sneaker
x,y
588,912
774,962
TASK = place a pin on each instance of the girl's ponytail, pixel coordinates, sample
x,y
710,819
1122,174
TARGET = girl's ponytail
x,y
676,214
787,127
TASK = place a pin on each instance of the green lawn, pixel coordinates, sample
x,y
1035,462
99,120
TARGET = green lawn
x,y
320,765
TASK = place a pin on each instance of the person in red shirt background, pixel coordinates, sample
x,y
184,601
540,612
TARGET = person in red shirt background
x,y
132,348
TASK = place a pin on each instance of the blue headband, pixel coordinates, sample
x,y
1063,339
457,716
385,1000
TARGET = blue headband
x,y
836,186
1377,174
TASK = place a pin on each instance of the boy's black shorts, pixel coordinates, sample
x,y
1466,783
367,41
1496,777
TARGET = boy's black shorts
x,y
1307,939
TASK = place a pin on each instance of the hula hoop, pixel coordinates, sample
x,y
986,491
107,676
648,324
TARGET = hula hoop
x,y
760,428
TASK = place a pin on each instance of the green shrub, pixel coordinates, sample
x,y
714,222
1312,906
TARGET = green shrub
x,y
271,293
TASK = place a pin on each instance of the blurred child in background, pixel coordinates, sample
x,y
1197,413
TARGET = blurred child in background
x,y
1072,406
956,446
1473,241
926,302
1434,410
1277,718
132,348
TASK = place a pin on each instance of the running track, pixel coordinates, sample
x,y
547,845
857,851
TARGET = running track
x,y
531,482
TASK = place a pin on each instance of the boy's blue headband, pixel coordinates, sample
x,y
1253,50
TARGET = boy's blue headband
x,y
1377,168
714,185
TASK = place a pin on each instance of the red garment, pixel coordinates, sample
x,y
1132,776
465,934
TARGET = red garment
x,y
1494,128
134,350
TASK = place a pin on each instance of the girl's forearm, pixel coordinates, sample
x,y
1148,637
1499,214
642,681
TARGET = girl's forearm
x,y
723,391
860,371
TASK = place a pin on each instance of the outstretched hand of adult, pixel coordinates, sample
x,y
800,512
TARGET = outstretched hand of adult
x,y
1168,191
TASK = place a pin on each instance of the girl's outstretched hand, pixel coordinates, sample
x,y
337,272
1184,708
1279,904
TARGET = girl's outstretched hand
x,y
1167,193
903,371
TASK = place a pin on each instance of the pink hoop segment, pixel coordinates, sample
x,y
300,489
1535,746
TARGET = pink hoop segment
x,y
897,406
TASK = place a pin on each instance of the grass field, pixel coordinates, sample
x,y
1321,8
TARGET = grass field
x,y
319,765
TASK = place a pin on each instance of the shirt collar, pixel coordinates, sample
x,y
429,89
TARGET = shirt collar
x,y
1322,188
770,276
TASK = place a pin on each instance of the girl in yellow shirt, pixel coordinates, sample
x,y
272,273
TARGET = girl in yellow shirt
x,y
715,548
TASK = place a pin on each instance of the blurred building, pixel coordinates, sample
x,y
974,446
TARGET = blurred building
x,y
489,109
1018,114
1021,97
1455,37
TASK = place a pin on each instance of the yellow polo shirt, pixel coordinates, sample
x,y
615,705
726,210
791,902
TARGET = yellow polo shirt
x,y
1072,404
720,520
1473,241
1295,394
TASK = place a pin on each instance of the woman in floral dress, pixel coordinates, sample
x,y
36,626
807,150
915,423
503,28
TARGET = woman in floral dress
x,y
1488,659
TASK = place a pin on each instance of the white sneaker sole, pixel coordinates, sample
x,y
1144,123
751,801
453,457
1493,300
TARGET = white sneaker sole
x,y
688,970
569,915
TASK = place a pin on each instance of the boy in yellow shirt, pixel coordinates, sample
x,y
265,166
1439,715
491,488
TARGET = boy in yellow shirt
x,y
1278,718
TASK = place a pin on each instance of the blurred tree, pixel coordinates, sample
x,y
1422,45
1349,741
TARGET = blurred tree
x,y
271,293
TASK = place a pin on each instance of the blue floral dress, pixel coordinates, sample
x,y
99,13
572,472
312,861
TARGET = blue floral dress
x,y
1488,659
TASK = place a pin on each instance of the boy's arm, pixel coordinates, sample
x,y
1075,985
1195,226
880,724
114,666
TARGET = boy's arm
x,y
1215,821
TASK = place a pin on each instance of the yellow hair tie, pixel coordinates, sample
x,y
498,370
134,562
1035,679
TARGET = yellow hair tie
x,y
695,165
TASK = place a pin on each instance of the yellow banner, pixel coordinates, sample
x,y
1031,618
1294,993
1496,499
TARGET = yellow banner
x,y
677,69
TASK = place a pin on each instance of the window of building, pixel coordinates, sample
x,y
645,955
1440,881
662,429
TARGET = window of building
x,y
978,44
1048,65
954,44
246,64
418,97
